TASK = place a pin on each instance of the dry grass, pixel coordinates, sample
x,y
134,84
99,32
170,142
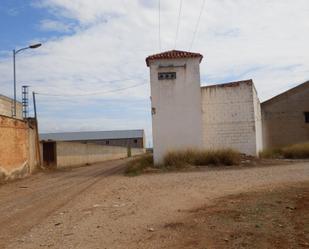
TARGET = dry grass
x,y
296,151
271,153
138,165
179,159
182,159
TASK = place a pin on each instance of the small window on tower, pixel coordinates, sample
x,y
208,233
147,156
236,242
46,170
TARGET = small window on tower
x,y
135,141
307,117
107,141
167,76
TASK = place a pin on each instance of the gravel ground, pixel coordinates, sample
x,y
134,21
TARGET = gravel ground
x,y
95,207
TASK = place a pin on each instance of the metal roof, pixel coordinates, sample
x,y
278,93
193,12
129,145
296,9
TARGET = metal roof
x,y
92,135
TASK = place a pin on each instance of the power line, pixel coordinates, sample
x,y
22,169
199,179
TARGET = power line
x,y
178,23
89,94
119,80
197,24
159,10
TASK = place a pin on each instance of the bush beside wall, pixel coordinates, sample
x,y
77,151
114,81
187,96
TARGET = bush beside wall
x,y
184,158
296,151
202,157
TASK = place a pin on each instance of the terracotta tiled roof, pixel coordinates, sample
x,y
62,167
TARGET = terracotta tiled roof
x,y
173,54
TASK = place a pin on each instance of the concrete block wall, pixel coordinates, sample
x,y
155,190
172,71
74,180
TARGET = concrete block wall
x,y
18,156
230,114
75,154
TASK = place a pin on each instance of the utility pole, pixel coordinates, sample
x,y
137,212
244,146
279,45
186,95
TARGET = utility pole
x,y
34,107
14,75
15,52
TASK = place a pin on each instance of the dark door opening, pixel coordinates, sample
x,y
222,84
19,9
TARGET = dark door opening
x,y
49,154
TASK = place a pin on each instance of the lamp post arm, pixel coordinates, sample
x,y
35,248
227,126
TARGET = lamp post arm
x,y
14,70
21,49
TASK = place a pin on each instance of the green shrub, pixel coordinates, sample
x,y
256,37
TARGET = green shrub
x,y
138,165
182,158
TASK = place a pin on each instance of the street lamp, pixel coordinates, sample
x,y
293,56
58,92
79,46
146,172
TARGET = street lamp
x,y
15,52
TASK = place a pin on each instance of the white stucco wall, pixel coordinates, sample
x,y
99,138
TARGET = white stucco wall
x,y
258,121
177,122
229,118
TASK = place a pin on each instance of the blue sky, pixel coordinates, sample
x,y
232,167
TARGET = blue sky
x,y
95,46
20,21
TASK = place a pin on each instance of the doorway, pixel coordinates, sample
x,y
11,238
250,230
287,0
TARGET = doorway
x,y
49,154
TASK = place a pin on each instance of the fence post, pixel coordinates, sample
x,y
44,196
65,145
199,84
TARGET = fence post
x,y
129,153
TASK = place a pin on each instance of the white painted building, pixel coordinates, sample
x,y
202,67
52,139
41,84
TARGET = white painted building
x,y
186,115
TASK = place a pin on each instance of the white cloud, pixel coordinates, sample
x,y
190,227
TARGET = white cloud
x,y
53,25
265,40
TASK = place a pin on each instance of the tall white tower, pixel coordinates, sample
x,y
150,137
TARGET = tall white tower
x,y
176,101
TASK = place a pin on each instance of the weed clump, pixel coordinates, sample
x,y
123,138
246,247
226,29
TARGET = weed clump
x,y
296,151
138,165
179,159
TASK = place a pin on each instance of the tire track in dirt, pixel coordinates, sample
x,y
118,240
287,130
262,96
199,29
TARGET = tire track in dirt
x,y
31,212
61,179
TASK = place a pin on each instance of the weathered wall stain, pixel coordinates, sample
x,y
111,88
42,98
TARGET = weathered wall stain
x,y
17,151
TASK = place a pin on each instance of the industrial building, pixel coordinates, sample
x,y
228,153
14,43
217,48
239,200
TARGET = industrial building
x,y
122,138
78,148
186,115
286,117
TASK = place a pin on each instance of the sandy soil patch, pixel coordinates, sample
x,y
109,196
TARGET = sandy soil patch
x,y
98,207
266,219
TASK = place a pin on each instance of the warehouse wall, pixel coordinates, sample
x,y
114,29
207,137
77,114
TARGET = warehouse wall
x,y
122,142
284,120
231,117
18,156
74,154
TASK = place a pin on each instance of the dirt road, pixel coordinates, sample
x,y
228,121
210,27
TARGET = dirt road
x,y
98,207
